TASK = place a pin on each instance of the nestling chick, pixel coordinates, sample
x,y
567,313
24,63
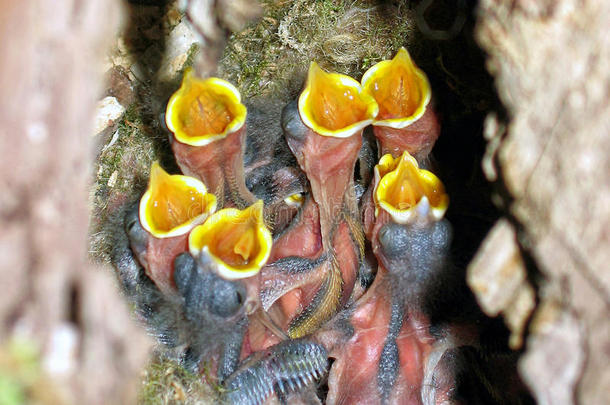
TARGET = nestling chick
x,y
324,132
406,120
212,130
207,120
271,171
197,322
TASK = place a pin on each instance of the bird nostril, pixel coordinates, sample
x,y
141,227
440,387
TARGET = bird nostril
x,y
240,298
131,218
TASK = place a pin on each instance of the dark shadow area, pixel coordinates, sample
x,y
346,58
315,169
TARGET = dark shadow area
x,y
463,95
145,35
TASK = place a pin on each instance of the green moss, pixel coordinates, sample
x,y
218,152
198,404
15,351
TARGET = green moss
x,y
122,172
270,57
22,380
165,382
19,370
11,392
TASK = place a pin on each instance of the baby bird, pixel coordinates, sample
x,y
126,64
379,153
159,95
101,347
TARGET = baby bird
x,y
167,212
406,120
205,318
235,150
207,120
263,291
271,171
386,347
324,132
382,344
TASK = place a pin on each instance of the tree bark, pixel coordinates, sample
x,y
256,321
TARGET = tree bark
x,y
65,308
551,61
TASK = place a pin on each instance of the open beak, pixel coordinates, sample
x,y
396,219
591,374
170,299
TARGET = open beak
x,y
169,209
174,204
334,105
323,130
204,110
208,121
402,91
406,192
400,88
238,241
324,133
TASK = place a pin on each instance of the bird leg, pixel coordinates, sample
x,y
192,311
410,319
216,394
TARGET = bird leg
x,y
203,319
295,271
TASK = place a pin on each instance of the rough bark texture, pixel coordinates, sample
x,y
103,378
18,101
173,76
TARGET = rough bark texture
x,y
67,310
551,61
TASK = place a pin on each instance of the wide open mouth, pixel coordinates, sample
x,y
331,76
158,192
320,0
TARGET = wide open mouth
x,y
334,105
203,110
174,204
407,192
400,88
237,240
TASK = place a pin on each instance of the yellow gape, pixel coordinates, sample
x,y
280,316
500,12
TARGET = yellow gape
x,y
334,105
402,188
204,110
174,204
400,88
237,241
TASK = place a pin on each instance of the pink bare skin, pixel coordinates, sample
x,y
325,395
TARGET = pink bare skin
x,y
329,166
382,345
417,138
156,255
284,293
219,165
328,163
354,375
158,260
